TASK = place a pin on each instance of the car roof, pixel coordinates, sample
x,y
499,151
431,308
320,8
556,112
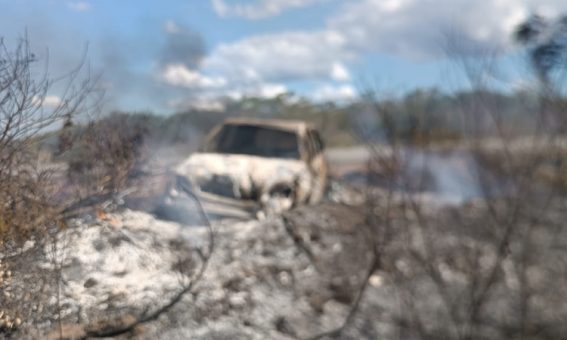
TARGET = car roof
x,y
280,124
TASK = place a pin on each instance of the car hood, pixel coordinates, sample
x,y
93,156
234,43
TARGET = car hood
x,y
248,172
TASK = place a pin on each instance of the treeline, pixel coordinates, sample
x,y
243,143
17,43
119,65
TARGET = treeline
x,y
419,116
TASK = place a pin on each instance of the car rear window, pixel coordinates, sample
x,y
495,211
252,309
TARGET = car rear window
x,y
257,141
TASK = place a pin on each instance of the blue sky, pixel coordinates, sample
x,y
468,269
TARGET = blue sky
x,y
167,56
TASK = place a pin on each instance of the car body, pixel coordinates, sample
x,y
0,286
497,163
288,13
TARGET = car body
x,y
256,166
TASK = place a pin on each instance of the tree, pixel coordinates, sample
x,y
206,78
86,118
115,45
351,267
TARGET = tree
x,y
547,43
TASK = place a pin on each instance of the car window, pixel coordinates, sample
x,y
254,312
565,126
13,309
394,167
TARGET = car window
x,y
257,141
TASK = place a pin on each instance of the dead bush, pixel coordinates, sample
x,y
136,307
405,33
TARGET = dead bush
x,y
490,266
106,155
30,202
27,192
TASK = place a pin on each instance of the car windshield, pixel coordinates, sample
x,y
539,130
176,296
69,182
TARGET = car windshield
x,y
256,141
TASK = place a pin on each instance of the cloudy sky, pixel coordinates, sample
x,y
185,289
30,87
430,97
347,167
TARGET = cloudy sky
x,y
164,56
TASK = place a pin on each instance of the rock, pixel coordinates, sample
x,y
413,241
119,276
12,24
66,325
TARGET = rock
x,y
282,325
238,300
90,283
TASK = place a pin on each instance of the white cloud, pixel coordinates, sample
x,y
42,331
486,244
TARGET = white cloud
x,y
180,75
414,29
207,91
47,101
171,27
270,90
79,6
339,72
331,93
282,57
220,7
420,28
198,103
51,101
259,9
267,90
260,65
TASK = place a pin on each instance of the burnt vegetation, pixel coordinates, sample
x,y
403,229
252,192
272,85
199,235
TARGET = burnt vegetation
x,y
396,262
490,268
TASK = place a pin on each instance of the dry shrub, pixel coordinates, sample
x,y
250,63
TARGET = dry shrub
x,y
30,202
108,154
492,267
27,202
25,205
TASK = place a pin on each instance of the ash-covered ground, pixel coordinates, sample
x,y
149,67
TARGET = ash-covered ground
x,y
385,265
292,276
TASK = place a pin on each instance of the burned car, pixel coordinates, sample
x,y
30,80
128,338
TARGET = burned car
x,y
255,167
